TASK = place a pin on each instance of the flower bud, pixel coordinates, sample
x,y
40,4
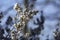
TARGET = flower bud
x,y
16,6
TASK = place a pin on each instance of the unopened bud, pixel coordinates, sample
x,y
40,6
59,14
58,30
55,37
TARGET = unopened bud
x,y
14,25
16,6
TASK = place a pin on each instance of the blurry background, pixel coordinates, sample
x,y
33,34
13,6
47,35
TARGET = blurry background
x,y
51,12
